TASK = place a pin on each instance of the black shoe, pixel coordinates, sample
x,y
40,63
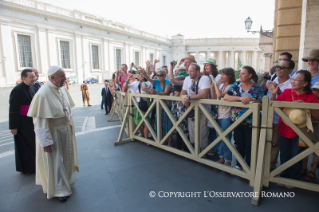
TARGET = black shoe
x,y
89,105
63,199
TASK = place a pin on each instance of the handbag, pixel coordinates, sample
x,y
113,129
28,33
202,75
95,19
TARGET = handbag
x,y
192,113
142,103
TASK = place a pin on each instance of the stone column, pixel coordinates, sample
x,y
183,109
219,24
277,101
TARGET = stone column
x,y
143,55
106,58
53,54
220,62
43,50
244,58
258,65
231,59
8,73
79,65
86,57
254,60
197,57
208,55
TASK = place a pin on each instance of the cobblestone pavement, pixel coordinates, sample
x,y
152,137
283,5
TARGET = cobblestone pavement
x,y
84,118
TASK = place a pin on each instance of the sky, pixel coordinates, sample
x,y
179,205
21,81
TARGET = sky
x,y
193,19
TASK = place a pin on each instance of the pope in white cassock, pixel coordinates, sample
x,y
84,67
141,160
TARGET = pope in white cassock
x,y
56,152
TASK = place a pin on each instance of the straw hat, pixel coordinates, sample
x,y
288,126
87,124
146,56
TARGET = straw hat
x,y
191,58
313,55
300,117
211,61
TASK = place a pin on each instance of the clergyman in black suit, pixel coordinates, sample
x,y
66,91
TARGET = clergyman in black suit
x,y
107,97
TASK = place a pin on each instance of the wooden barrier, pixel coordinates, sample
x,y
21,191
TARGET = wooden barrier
x,y
258,173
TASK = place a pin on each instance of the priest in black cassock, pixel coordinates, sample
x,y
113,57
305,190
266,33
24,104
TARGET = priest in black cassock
x,y
21,125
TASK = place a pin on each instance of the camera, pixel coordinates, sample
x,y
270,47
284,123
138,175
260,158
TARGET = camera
x,y
267,77
174,62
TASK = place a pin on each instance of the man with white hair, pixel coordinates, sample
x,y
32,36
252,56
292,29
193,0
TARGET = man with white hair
x,y
56,152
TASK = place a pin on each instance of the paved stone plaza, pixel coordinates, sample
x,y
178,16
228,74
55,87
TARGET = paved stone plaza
x,y
120,178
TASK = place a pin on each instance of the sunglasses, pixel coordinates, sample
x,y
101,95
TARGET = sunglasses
x,y
193,87
130,71
159,75
281,67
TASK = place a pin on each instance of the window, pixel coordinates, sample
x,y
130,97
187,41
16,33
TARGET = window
x,y
65,54
95,57
118,59
164,60
137,59
151,58
24,48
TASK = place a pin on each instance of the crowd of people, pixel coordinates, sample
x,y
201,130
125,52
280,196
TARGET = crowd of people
x,y
43,114
187,81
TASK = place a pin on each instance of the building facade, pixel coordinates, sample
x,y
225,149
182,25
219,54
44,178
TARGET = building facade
x,y
296,29
37,34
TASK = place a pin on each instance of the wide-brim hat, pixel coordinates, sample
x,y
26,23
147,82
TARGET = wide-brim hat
x,y
211,61
191,58
313,55
300,117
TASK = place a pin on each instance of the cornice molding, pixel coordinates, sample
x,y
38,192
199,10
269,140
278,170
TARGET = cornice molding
x,y
90,24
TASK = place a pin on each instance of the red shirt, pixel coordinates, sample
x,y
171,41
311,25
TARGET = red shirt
x,y
286,96
122,81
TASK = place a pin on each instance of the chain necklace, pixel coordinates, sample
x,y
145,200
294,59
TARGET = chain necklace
x,y
62,103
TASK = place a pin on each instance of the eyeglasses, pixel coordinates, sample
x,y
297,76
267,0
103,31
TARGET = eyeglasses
x,y
296,80
281,67
159,75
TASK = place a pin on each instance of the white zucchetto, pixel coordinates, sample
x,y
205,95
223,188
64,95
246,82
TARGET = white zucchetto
x,y
53,69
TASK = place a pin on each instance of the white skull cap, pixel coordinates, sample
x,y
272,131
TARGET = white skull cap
x,y
53,70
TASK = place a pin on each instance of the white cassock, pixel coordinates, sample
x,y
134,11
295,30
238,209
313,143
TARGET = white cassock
x,y
53,125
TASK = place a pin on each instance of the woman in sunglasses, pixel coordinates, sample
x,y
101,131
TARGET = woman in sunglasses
x,y
161,87
129,78
244,91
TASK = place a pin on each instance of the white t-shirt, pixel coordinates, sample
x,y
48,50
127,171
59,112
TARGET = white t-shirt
x,y
133,87
224,111
217,78
282,87
191,88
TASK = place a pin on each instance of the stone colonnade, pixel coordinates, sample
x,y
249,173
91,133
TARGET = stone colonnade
x,y
231,58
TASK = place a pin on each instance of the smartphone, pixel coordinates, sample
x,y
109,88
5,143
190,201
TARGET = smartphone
x,y
210,78
152,67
